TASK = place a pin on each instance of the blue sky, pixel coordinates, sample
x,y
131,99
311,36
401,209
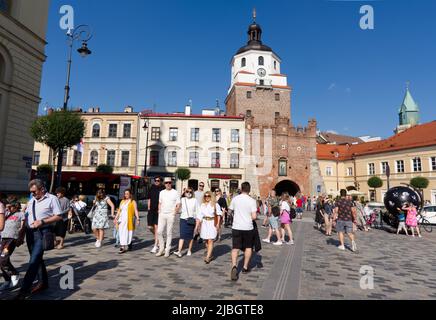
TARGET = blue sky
x,y
166,52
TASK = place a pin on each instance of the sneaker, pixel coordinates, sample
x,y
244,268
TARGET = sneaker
x,y
5,286
419,236
245,271
167,254
341,248
278,243
189,253
160,254
98,244
266,240
353,246
234,274
178,253
14,280
154,250
290,242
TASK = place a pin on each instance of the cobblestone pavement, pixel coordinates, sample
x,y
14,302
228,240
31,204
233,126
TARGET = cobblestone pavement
x,y
311,269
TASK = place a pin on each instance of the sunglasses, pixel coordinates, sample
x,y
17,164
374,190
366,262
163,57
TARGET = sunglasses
x,y
207,196
201,186
156,180
168,182
188,192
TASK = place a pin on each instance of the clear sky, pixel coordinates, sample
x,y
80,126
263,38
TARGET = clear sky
x,y
166,52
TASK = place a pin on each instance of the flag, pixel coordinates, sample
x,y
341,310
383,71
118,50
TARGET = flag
x,y
80,146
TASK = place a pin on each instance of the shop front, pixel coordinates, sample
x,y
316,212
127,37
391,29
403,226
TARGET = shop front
x,y
228,183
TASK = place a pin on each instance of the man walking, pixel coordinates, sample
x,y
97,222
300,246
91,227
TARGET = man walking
x,y
199,194
42,211
345,216
153,210
243,234
60,227
169,206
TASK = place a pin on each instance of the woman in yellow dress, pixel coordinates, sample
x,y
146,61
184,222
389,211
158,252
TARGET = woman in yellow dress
x,y
125,219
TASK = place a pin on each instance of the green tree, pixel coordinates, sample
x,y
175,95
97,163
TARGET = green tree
x,y
375,183
420,183
104,168
59,130
183,174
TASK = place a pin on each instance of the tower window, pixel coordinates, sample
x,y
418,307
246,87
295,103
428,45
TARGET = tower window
x,y
277,114
243,62
275,64
277,96
261,61
248,94
262,82
248,114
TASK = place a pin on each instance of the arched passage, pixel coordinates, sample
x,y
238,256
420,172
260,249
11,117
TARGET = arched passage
x,y
287,186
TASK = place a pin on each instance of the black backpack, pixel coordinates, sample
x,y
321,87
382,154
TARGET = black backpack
x,y
293,214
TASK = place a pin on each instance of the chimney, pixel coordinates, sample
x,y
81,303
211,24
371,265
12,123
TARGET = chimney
x,y
91,110
97,109
128,109
188,110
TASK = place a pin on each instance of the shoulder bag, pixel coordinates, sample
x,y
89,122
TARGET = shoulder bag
x,y
48,237
191,220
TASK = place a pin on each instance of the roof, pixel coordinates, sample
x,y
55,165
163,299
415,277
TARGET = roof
x,y
195,116
339,138
415,137
409,103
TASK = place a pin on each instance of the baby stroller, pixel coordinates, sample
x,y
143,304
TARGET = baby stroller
x,y
79,222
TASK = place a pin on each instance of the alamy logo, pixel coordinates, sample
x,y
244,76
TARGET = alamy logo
x,y
367,279
367,20
67,20
66,282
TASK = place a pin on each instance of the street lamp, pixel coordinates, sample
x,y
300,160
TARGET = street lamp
x,y
146,127
81,33
337,170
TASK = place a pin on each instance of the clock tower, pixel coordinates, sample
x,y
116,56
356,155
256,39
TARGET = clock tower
x,y
258,89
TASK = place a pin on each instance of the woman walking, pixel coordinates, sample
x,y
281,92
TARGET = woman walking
x,y
125,219
319,214
100,218
328,216
210,211
190,210
285,219
223,206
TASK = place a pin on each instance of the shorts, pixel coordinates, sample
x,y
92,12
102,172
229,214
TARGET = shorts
x,y
299,210
344,226
60,228
152,217
402,224
274,222
243,239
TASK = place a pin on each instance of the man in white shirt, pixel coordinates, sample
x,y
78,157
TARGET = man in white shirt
x,y
169,206
199,194
244,210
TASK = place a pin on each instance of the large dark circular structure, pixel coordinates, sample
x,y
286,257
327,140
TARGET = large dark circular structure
x,y
397,197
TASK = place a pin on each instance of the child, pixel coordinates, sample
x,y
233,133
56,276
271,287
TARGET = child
x,y
11,238
411,220
116,235
274,227
402,222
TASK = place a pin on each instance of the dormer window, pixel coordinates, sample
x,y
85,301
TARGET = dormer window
x,y
261,61
243,62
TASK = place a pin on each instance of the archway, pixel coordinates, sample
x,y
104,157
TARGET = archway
x,y
287,186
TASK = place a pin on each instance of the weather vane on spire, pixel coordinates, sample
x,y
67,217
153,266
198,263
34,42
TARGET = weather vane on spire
x,y
407,85
254,15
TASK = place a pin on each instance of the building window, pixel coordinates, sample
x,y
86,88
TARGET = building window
x,y
249,95
113,130
261,61
216,163
417,165
328,171
248,113
277,96
96,131
235,135
110,161
433,163
261,82
349,171
172,159
384,167
127,130
234,160
64,157
173,134
36,158
77,158
277,114
125,158
195,134
154,158
243,62
275,64
216,135
93,162
400,166
283,168
371,169
194,159
155,133
214,184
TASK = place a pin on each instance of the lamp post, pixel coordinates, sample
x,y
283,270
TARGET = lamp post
x,y
81,33
146,127
337,171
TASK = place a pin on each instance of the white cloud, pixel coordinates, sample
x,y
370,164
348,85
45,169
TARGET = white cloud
x,y
332,86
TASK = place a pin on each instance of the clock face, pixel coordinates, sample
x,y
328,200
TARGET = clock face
x,y
261,72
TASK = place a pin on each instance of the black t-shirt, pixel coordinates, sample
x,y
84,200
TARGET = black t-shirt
x,y
154,196
222,203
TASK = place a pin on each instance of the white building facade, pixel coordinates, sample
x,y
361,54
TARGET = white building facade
x,y
212,147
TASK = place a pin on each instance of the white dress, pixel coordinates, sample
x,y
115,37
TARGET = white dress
x,y
123,230
208,230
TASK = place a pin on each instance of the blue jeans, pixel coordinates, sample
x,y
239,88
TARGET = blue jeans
x,y
36,266
116,235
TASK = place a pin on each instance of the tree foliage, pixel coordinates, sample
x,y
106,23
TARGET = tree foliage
x,y
183,174
44,169
58,130
419,182
375,182
104,168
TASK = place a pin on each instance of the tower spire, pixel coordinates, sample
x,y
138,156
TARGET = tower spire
x,y
254,15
